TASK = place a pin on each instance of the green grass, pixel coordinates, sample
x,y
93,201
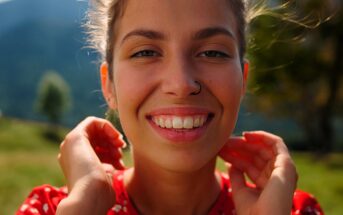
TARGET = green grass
x,y
27,159
323,177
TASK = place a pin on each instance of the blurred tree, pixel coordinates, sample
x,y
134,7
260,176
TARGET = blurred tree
x,y
53,97
296,70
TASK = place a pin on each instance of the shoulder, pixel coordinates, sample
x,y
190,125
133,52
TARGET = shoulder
x,y
303,202
42,200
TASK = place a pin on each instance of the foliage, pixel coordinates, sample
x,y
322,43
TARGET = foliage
x,y
53,97
297,67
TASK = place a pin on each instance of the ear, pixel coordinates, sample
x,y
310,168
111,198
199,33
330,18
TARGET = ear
x,y
245,75
107,86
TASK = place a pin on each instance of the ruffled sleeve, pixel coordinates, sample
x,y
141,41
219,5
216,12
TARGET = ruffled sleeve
x,y
305,204
43,200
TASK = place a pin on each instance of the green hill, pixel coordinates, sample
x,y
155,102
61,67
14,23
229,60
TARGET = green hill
x,y
27,159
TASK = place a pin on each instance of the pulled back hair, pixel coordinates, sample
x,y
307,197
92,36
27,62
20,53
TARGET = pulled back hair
x,y
103,14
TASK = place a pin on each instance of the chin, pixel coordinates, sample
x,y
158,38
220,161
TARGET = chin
x,y
188,164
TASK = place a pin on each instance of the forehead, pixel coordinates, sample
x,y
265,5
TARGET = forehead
x,y
175,17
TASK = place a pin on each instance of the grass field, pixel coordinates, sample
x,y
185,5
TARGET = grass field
x,y
27,159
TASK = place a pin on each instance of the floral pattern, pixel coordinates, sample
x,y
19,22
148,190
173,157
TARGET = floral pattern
x,y
43,200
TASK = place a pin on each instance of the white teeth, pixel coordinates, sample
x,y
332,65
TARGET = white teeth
x,y
169,123
188,122
178,122
155,120
202,120
161,123
196,122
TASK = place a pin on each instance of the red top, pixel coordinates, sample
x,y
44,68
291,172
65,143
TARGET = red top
x,y
44,200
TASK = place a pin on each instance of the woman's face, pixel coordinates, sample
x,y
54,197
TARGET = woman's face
x,y
162,47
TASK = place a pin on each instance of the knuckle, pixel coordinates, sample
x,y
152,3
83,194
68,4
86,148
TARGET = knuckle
x,y
62,145
90,118
279,139
69,138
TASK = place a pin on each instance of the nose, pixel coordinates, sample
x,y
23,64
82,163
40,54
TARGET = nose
x,y
180,79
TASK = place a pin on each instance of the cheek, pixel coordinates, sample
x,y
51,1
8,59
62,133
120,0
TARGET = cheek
x,y
226,85
132,88
227,89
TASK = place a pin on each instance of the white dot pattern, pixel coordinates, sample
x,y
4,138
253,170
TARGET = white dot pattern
x,y
44,200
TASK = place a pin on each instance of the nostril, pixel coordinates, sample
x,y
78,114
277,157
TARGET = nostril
x,y
198,91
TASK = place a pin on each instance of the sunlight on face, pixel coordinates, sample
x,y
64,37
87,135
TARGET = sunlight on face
x,y
162,48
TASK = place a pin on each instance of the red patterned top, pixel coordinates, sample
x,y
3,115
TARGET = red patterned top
x,y
43,200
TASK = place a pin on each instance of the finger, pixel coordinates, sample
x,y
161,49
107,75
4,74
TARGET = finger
x,y
119,165
261,137
110,157
93,125
241,148
259,172
246,147
246,166
259,162
264,139
276,143
114,135
237,180
239,144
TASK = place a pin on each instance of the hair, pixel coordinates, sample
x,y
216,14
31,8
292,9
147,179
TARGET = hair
x,y
103,15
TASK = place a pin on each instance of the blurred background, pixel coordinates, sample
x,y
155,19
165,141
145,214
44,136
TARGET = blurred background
x,y
49,82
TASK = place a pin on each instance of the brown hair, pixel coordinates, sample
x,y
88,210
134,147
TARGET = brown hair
x,y
103,14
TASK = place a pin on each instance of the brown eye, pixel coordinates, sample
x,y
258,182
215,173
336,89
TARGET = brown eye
x,y
145,53
213,54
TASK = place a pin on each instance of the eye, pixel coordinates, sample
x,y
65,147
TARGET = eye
x,y
213,54
145,53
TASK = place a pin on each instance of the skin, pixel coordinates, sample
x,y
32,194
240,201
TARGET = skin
x,y
156,64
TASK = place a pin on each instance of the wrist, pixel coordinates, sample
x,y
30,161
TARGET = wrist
x,y
90,195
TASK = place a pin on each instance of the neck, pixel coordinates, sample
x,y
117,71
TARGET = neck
x,y
159,191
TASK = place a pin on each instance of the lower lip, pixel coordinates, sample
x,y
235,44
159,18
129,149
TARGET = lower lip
x,y
178,135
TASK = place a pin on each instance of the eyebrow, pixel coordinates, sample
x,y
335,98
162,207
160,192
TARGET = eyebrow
x,y
211,32
200,35
150,34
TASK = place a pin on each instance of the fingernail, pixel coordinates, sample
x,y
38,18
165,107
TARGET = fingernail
x,y
124,143
122,163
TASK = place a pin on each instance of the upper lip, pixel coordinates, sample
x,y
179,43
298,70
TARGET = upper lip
x,y
180,111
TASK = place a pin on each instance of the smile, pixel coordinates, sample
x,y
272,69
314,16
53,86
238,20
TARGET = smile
x,y
180,125
179,122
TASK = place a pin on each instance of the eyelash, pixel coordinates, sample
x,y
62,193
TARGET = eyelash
x,y
145,53
208,53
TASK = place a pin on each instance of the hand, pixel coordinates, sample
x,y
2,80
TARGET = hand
x,y
264,158
88,156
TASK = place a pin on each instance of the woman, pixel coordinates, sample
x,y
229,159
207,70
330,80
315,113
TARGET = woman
x,y
174,70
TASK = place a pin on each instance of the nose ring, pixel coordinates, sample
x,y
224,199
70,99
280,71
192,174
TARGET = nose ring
x,y
199,90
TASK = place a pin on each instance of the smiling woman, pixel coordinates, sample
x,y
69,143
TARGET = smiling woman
x,y
175,72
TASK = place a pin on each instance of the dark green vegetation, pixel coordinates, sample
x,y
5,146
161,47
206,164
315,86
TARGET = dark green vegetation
x,y
297,67
53,98
27,159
